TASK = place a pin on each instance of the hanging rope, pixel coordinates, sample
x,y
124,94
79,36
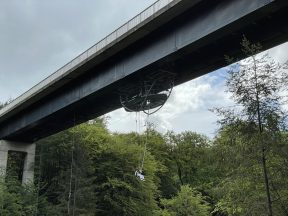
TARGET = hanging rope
x,y
74,196
71,174
39,180
140,173
138,131
70,181
146,141
148,96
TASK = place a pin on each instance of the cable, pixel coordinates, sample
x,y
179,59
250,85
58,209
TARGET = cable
x,y
70,182
39,178
74,197
146,141
148,96
71,171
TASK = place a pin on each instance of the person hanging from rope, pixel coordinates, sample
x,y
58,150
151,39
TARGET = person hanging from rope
x,y
140,175
147,96
139,171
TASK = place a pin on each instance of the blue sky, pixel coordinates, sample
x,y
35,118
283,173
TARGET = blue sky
x,y
38,37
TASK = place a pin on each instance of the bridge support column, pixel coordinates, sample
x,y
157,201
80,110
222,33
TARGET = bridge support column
x,y
28,148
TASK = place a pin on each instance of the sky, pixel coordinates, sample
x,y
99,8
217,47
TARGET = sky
x,y
39,36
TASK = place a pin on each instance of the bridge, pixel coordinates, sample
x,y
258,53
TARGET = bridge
x,y
186,37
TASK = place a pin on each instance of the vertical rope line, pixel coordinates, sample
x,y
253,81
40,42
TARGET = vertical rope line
x,y
139,137
76,169
140,122
136,123
71,170
39,178
137,134
70,181
74,198
146,140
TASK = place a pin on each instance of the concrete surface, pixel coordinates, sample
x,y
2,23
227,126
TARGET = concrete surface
x,y
28,148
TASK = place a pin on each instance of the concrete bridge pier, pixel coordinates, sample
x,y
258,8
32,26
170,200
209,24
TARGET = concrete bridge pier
x,y
27,148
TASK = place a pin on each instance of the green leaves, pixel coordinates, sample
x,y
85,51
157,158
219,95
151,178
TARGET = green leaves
x,y
103,179
117,188
187,202
20,200
250,133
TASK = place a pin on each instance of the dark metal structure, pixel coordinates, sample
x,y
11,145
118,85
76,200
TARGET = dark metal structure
x,y
189,39
149,94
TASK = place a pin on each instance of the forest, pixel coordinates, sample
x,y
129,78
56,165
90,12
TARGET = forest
x,y
88,170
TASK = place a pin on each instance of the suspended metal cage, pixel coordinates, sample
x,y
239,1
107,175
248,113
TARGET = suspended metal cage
x,y
149,94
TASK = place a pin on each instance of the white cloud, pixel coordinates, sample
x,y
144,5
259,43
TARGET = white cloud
x,y
279,53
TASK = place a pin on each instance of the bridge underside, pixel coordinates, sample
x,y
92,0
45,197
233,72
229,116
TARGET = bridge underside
x,y
190,45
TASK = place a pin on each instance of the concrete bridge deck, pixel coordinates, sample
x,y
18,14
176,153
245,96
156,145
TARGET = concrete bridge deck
x,y
187,37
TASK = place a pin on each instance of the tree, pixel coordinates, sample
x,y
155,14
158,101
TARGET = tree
x,y
118,191
187,202
162,151
240,189
255,85
192,155
21,200
68,184
101,178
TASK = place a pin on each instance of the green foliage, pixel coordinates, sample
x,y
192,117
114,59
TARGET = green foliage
x,y
255,85
15,164
226,171
117,188
162,152
192,155
57,178
187,202
21,200
10,201
249,137
102,180
241,190
88,171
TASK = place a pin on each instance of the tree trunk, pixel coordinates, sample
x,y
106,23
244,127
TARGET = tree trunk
x,y
266,180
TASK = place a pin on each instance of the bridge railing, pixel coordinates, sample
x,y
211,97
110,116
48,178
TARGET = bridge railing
x,y
83,57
